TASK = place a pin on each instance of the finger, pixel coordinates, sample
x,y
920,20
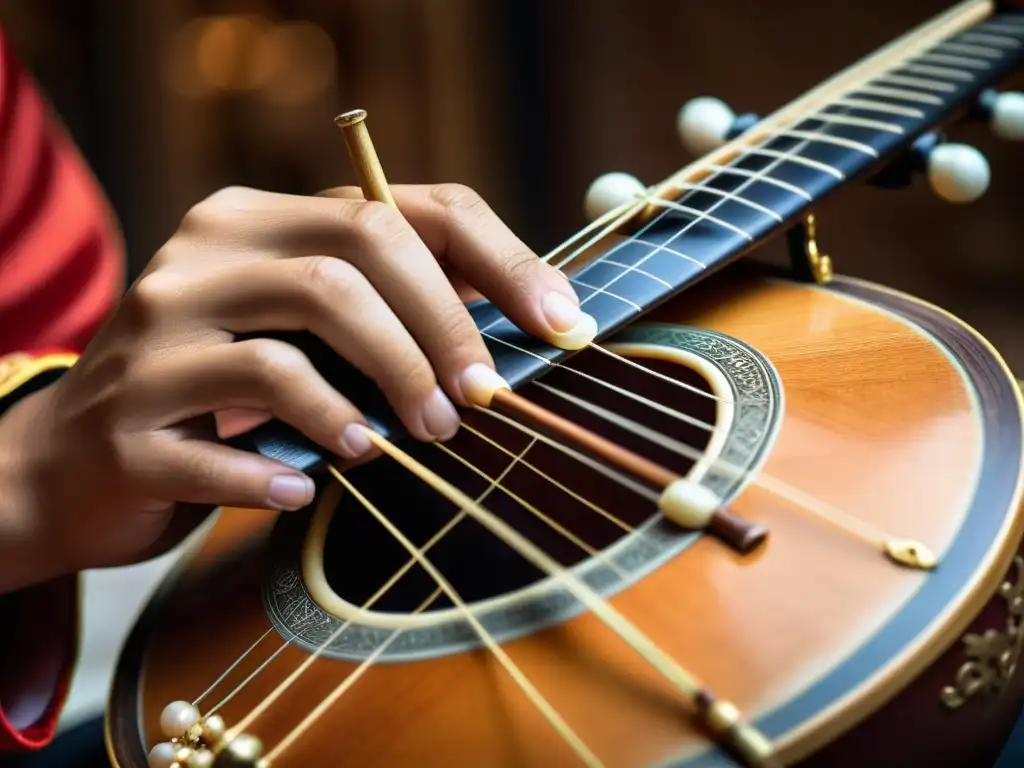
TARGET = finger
x,y
201,472
260,375
458,225
233,422
383,246
333,300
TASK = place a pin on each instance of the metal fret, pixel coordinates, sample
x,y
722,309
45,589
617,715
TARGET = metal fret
x,y
790,157
961,61
1000,40
918,82
972,50
899,93
861,122
825,138
730,170
878,106
722,193
944,72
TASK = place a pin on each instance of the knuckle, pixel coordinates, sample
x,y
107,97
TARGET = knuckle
x,y
152,295
273,362
221,207
459,200
378,222
344,192
521,269
457,329
414,377
327,280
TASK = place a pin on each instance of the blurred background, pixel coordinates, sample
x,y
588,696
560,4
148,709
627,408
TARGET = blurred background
x,y
525,100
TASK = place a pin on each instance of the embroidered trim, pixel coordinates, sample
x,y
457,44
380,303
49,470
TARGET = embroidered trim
x,y
19,368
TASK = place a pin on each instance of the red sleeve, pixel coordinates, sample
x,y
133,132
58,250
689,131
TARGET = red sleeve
x,y
61,271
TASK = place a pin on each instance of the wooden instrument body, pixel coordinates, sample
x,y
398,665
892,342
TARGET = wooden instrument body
x,y
894,411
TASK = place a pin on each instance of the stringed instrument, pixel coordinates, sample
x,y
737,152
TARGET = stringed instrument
x,y
773,520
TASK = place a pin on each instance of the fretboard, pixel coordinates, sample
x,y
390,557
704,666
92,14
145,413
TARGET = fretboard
x,y
771,184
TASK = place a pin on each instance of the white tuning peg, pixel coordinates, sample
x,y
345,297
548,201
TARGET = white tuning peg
x,y
957,173
704,124
610,191
1006,116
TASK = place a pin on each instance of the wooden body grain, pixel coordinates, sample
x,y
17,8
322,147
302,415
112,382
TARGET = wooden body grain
x,y
879,421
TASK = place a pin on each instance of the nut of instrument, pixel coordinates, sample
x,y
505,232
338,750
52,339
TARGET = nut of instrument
x,y
688,504
704,123
958,173
177,718
611,191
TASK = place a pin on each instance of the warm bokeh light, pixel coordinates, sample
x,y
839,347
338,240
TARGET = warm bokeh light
x,y
295,63
287,64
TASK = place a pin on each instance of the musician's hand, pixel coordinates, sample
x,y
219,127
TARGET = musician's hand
x,y
125,435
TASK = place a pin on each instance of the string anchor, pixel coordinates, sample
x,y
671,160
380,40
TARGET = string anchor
x,y
682,501
809,263
912,554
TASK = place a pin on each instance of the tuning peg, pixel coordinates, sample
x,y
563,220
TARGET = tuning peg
x,y
1005,113
706,123
610,191
957,173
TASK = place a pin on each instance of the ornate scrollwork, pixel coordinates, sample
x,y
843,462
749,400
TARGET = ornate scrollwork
x,y
993,656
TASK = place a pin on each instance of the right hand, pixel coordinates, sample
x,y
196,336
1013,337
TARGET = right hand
x,y
107,452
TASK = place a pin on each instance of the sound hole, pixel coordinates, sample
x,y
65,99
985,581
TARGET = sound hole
x,y
361,556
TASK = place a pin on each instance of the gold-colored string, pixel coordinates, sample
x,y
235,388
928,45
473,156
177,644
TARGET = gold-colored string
x,y
276,693
535,696
906,552
611,617
347,683
559,485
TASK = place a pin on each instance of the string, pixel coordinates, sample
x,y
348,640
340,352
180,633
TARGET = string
x,y
602,609
554,524
619,216
535,696
230,669
842,520
562,487
274,695
903,49
347,683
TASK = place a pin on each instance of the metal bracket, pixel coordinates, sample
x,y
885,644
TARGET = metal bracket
x,y
809,264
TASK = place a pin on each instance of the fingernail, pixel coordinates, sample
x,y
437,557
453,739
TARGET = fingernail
x,y
354,442
479,383
561,312
439,416
290,491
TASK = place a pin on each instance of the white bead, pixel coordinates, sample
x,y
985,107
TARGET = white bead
x,y
704,123
201,758
177,718
688,504
610,191
1007,119
958,173
162,755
